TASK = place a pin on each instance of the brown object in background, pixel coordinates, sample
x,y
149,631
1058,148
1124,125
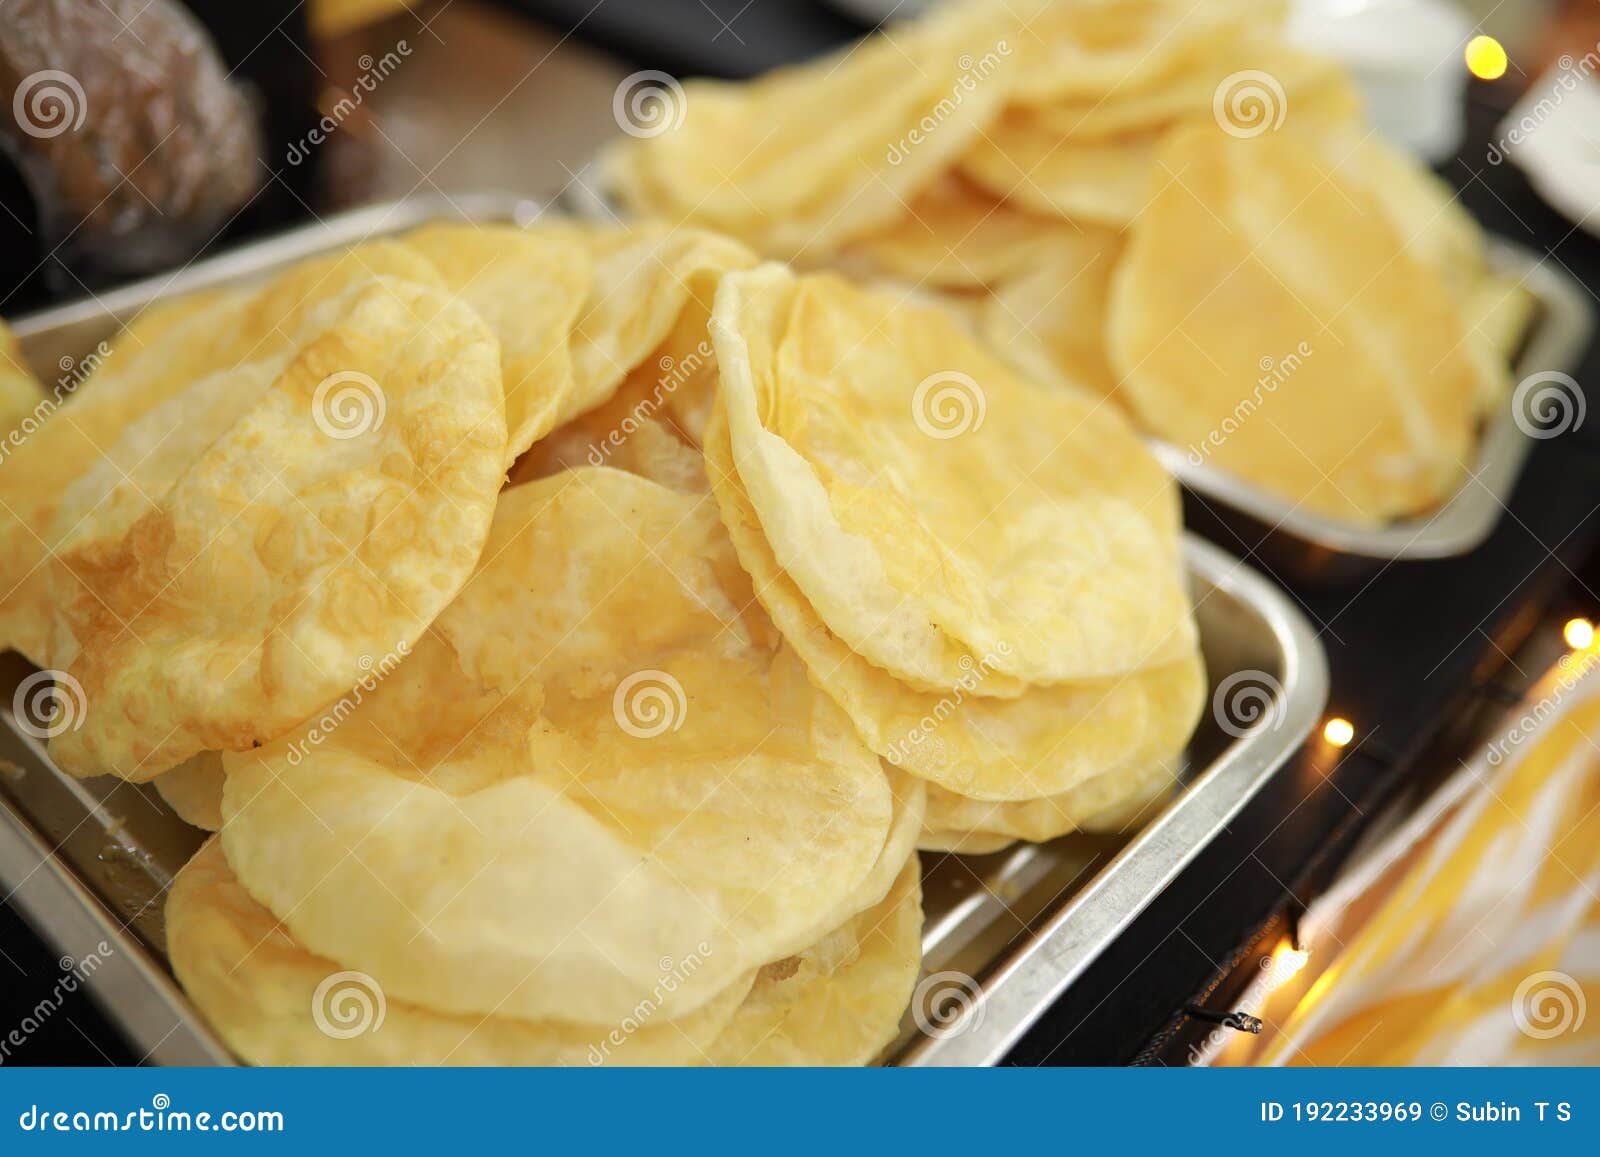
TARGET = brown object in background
x,y
135,145
481,98
1574,36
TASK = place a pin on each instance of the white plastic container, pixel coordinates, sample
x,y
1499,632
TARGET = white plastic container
x,y
1406,56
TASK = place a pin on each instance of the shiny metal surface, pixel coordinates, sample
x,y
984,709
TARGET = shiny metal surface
x,y
1017,928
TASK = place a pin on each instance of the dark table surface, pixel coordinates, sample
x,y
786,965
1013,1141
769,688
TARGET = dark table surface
x,y
1409,651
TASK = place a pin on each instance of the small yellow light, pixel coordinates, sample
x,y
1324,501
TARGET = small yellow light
x,y
1291,961
1579,634
1339,732
1486,59
1284,965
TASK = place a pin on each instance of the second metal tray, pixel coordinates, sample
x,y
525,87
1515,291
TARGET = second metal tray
x,y
1327,551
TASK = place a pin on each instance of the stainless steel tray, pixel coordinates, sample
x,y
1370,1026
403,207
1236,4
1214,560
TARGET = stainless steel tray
x,y
1010,932
89,861
1315,548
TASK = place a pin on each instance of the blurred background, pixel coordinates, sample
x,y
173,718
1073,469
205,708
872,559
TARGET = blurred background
x,y
217,121
206,123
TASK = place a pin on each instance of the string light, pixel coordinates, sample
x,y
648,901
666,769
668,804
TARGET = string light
x,y
1339,732
1486,58
1287,963
1579,634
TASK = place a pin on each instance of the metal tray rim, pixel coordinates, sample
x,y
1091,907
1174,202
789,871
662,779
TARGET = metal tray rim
x,y
1012,998
131,988
349,227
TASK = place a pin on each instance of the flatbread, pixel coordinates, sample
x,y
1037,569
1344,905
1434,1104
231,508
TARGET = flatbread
x,y
938,512
602,706
257,588
275,1003
1042,742
1334,371
840,1001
